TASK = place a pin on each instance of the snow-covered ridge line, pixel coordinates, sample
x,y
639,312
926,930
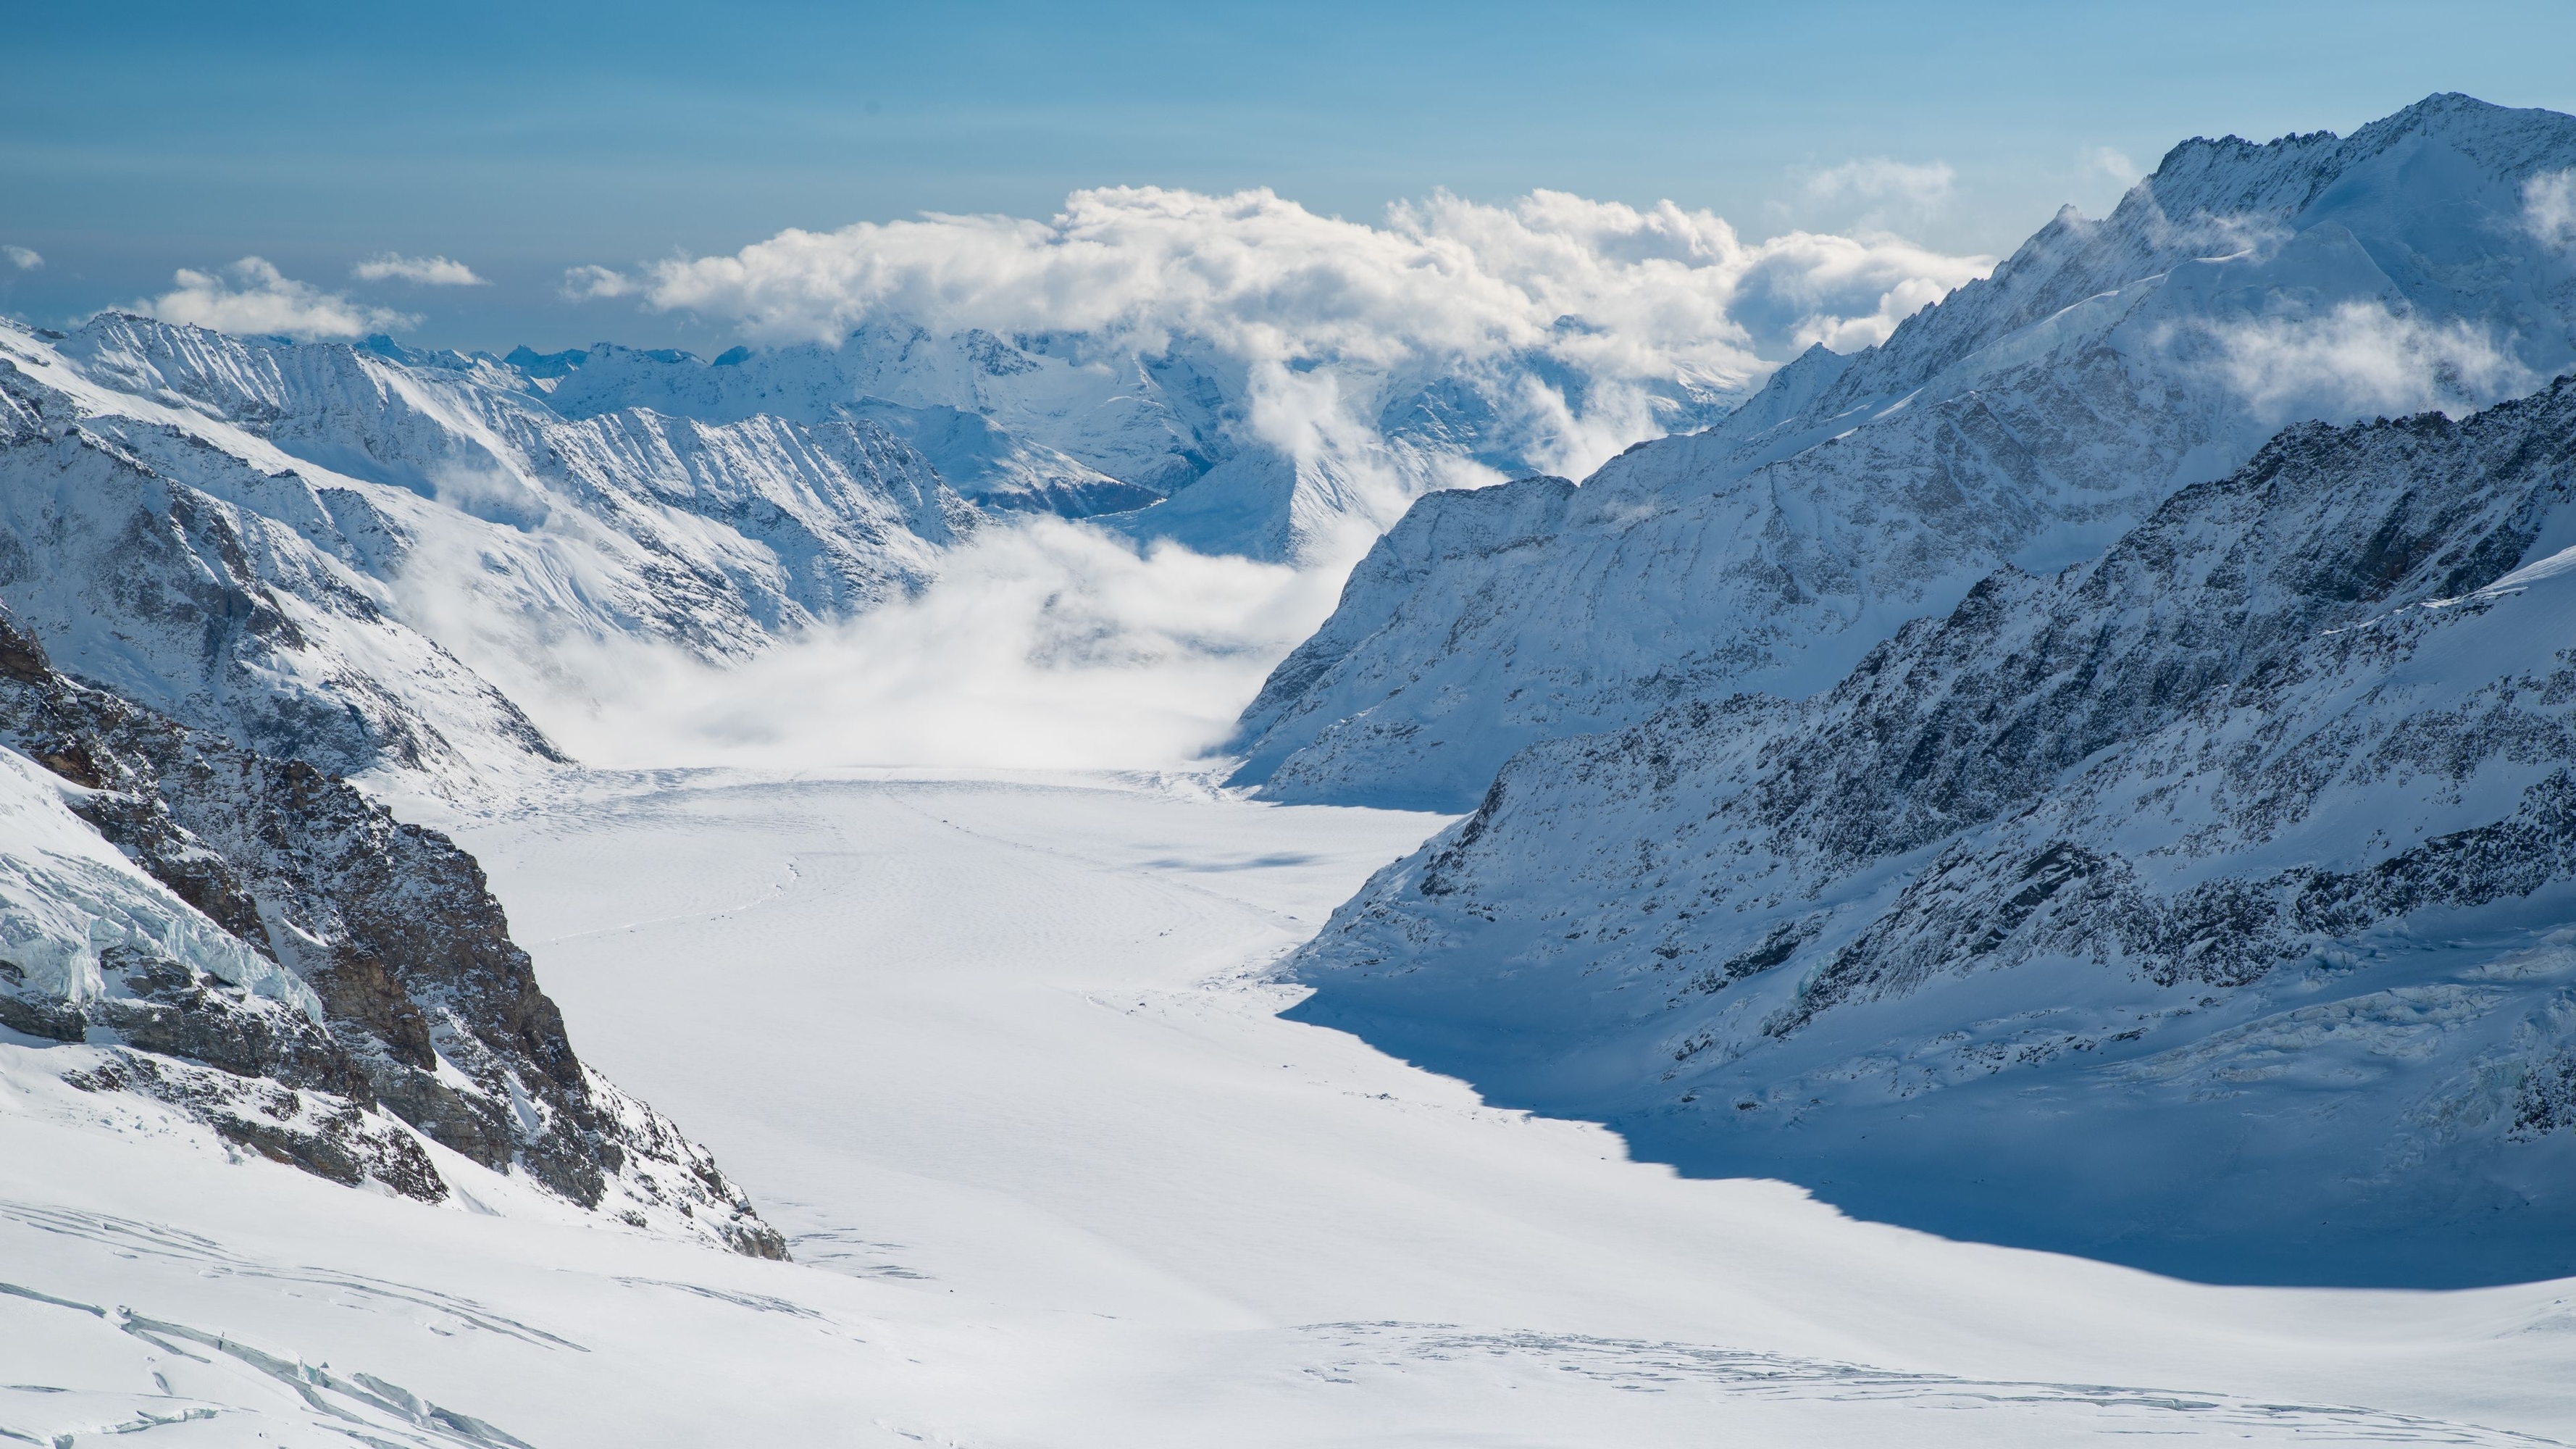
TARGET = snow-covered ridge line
x,y
2148,908
324,552
2029,417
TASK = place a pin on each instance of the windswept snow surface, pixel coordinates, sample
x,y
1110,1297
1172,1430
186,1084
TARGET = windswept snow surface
x,y
1002,1057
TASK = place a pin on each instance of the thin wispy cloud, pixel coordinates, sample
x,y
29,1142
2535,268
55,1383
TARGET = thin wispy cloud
x,y
253,297
1882,182
25,259
2549,208
421,271
2114,164
2362,359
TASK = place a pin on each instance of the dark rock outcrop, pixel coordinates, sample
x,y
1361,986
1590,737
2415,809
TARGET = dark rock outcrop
x,y
428,1011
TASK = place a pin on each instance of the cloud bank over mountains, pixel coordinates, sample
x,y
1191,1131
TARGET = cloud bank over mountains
x,y
1044,645
1618,292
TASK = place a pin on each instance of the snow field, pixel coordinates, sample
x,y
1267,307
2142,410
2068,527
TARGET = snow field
x,y
997,1055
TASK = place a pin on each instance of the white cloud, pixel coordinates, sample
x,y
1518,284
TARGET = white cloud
x,y
1044,644
2114,164
1651,292
24,259
424,271
1327,317
2363,360
591,284
2549,208
253,297
1884,182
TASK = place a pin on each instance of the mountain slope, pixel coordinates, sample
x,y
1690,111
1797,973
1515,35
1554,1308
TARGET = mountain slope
x,y
2029,418
1180,440
258,945
1011,426
314,548
2201,905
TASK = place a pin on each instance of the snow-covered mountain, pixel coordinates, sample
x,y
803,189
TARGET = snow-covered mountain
x,y
257,945
1009,425
336,552
2205,903
313,547
1181,441
2030,418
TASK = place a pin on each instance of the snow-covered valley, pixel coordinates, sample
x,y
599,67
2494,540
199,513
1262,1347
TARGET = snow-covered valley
x,y
2002,878
997,1055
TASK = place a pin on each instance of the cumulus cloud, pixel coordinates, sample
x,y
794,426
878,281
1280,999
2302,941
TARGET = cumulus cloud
x,y
1327,318
1620,291
591,284
24,259
2363,359
2549,208
1044,644
251,296
422,271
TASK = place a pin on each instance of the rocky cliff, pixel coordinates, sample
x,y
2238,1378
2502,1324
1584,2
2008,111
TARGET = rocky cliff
x,y
271,952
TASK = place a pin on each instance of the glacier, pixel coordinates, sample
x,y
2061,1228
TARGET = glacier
x,y
2087,785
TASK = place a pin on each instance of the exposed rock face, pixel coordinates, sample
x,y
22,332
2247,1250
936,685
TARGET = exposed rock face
x,y
2214,890
392,984
2029,418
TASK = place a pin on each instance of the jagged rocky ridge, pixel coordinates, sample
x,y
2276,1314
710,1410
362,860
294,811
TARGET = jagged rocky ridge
x,y
275,955
2204,904
2028,418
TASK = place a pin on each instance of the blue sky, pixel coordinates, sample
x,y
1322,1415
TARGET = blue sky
x,y
525,139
